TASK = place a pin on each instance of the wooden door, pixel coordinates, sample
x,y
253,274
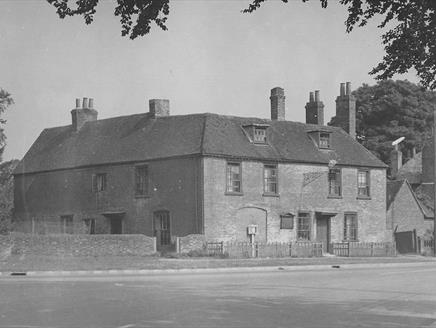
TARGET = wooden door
x,y
323,232
162,229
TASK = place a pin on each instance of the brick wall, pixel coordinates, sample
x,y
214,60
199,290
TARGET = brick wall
x,y
221,211
41,199
78,245
191,243
404,214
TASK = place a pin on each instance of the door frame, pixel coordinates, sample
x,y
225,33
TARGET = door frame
x,y
327,218
159,244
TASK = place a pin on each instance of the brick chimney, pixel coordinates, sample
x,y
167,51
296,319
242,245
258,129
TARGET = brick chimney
x,y
396,158
277,104
82,114
315,109
159,107
346,110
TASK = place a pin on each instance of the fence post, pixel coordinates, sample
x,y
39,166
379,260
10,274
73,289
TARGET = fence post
x,y
177,244
372,249
154,245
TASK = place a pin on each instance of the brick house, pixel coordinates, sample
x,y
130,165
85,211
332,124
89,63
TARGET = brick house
x,y
207,174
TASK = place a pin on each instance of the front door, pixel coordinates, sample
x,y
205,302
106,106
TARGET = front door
x,y
116,224
162,230
323,232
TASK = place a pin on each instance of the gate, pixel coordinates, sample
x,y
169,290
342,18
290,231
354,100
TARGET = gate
x,y
406,242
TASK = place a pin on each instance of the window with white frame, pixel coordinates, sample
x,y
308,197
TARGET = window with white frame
x,y
363,183
270,179
335,185
303,226
234,183
259,135
350,226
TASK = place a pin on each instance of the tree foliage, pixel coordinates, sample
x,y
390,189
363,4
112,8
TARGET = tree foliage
x,y
410,40
390,110
6,195
136,16
5,101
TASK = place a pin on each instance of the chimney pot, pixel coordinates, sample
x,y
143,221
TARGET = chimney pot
x,y
311,97
91,103
342,90
85,103
77,102
348,89
317,95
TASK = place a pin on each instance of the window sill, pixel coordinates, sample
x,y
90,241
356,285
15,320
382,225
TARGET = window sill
x,y
364,197
350,241
233,193
334,196
270,195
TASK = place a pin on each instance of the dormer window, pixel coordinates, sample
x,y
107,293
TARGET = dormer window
x,y
324,140
256,133
259,135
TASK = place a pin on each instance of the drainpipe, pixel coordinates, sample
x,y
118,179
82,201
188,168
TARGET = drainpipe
x,y
434,182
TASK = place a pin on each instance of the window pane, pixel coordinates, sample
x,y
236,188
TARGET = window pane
x,y
334,178
141,180
362,183
233,177
287,222
350,227
303,231
270,179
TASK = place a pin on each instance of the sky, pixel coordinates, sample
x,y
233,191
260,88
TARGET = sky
x,y
213,58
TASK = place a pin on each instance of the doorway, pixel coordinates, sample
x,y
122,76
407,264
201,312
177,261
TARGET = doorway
x,y
323,231
162,230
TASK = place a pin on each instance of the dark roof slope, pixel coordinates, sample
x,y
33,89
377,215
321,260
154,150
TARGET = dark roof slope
x,y
392,189
412,170
141,138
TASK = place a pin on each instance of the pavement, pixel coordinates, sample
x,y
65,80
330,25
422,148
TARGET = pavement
x,y
414,262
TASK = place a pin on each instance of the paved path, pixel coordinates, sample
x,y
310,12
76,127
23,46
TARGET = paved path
x,y
344,297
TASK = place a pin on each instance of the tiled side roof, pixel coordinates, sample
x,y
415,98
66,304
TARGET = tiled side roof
x,y
425,195
141,138
412,169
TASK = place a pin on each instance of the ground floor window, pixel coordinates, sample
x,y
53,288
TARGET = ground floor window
x,y
287,221
350,226
67,224
303,231
90,226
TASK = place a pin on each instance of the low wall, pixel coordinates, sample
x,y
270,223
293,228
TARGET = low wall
x,y
78,245
192,242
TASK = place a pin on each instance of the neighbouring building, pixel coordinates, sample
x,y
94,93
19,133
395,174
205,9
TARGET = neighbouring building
x,y
214,175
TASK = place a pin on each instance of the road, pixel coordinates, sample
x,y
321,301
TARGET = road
x,y
342,297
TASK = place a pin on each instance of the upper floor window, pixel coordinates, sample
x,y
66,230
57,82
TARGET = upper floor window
x,y
303,227
99,182
350,226
334,179
67,224
324,140
259,135
363,183
234,183
141,180
270,181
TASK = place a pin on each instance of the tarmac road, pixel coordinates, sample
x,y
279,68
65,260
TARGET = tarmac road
x,y
402,296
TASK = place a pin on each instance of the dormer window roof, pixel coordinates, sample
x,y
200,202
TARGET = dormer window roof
x,y
321,137
256,133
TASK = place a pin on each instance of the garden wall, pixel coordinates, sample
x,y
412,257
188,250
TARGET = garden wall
x,y
77,245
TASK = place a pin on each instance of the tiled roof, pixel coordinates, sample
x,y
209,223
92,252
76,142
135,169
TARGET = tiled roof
x,y
412,170
425,195
142,138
